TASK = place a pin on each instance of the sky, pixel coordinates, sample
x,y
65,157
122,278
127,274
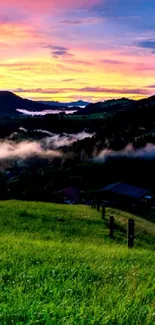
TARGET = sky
x,y
77,49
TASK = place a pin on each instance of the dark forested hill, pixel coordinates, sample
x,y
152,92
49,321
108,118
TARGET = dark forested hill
x,y
10,102
107,106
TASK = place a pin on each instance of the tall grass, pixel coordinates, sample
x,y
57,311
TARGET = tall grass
x,y
59,266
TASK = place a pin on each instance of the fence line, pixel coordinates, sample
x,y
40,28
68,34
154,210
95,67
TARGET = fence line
x,y
130,228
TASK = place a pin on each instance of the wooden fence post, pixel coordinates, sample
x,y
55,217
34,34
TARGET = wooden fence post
x,y
103,211
131,226
93,204
98,205
112,226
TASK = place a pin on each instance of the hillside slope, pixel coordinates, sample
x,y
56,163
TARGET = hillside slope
x,y
107,106
9,102
59,266
121,105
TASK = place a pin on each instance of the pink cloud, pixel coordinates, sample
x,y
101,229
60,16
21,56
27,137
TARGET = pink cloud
x,y
45,6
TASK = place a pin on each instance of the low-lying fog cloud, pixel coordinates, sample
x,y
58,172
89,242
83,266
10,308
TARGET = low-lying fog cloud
x,y
59,140
147,152
45,112
25,149
48,147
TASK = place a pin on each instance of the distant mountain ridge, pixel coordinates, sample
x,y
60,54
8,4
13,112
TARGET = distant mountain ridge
x,y
79,103
10,103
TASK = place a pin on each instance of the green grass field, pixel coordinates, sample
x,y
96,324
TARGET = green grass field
x,y
59,266
95,116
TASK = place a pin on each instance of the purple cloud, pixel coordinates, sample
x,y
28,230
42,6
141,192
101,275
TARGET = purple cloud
x,y
11,16
68,80
147,44
125,91
71,22
38,90
114,62
115,91
58,51
151,86
89,20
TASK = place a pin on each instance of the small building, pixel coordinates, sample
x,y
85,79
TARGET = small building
x,y
69,195
125,195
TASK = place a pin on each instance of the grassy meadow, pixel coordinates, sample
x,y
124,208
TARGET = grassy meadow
x,y
58,265
94,116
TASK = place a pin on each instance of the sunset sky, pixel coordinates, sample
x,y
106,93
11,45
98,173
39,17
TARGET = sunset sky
x,y
77,49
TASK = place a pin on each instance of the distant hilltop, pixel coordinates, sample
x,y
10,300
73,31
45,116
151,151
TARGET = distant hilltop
x,y
107,106
79,103
118,105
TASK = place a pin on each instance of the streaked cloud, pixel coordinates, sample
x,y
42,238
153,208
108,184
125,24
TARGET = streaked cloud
x,y
38,91
125,91
147,44
151,86
87,21
57,51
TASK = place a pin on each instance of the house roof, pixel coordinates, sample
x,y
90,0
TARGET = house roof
x,y
125,189
70,191
108,187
